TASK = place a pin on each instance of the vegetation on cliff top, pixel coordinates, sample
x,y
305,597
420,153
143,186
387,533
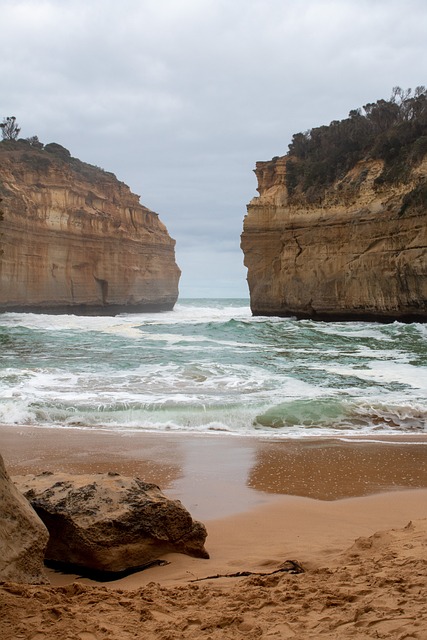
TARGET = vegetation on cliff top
x,y
38,159
393,130
41,156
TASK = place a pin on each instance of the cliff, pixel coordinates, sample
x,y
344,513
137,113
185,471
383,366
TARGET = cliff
x,y
361,254
75,239
339,229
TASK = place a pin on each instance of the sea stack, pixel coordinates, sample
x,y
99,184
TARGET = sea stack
x,y
74,239
339,230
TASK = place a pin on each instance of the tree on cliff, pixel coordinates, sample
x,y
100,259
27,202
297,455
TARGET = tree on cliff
x,y
9,128
393,130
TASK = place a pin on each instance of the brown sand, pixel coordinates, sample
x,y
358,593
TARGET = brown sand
x,y
263,503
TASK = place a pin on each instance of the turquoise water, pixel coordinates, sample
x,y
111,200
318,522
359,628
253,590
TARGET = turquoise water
x,y
209,366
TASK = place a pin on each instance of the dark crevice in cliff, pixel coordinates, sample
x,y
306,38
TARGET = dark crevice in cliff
x,y
300,249
103,289
132,219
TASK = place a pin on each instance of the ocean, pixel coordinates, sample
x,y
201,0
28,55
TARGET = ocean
x,y
208,366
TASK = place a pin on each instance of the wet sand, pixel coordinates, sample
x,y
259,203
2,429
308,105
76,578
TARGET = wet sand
x,y
219,475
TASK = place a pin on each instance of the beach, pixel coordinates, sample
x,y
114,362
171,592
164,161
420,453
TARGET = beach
x,y
351,512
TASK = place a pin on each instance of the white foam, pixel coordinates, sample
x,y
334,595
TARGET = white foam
x,y
128,325
16,412
355,331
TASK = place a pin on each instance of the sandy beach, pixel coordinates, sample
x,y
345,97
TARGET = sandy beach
x,y
353,514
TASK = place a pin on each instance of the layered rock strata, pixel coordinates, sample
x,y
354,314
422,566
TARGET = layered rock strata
x,y
361,254
108,523
75,239
23,536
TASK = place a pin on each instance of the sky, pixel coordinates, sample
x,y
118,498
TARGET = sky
x,y
180,98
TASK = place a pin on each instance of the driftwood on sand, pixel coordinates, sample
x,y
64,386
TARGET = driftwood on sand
x,y
289,566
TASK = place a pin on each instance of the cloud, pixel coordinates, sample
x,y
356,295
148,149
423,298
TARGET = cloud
x,y
180,98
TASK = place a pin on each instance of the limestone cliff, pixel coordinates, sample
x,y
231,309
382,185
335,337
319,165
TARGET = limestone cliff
x,y
77,240
359,253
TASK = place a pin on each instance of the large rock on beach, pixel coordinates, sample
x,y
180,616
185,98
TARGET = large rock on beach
x,y
76,240
110,523
23,536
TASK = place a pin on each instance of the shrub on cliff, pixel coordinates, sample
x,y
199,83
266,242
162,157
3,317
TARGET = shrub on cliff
x,y
58,150
35,142
415,199
393,130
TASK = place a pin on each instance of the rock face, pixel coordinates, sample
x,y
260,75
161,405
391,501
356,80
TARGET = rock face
x,y
75,239
23,536
361,254
110,523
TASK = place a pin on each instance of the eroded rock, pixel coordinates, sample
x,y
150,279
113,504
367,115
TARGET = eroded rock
x,y
75,239
23,536
110,523
360,254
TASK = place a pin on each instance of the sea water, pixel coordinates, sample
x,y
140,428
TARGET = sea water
x,y
209,366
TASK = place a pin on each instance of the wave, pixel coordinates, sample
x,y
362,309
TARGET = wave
x,y
209,365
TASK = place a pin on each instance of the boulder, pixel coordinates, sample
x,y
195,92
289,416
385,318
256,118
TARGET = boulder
x,y
110,523
23,536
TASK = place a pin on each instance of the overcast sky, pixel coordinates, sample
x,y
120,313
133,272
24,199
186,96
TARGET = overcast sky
x,y
180,98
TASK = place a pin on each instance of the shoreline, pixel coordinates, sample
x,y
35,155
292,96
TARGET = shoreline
x,y
199,469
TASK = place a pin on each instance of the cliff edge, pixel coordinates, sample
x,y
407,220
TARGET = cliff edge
x,y
348,244
74,239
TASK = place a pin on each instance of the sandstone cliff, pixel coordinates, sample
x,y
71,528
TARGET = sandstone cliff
x,y
75,239
360,253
